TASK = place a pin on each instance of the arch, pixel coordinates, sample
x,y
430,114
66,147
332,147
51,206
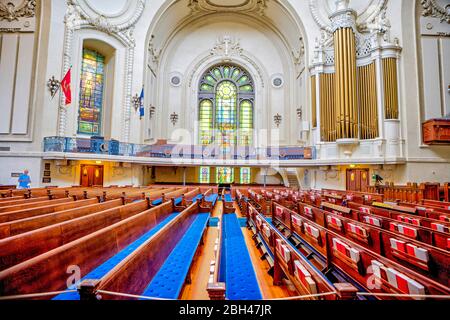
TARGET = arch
x,y
226,95
282,26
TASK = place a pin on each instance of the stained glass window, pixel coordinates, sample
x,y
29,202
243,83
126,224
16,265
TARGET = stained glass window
x,y
204,174
224,175
226,103
206,122
245,175
226,95
226,107
246,123
91,93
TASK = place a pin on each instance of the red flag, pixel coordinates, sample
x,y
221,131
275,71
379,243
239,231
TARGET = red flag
x,y
65,87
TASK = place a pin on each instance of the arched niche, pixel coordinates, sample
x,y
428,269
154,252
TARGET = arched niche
x,y
113,53
283,28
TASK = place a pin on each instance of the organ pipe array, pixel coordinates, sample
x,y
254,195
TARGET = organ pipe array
x,y
360,87
327,107
367,101
390,88
345,84
313,100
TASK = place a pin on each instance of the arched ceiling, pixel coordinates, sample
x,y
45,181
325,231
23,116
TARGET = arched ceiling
x,y
278,15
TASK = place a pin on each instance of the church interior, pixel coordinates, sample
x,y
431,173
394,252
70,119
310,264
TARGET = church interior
x,y
225,150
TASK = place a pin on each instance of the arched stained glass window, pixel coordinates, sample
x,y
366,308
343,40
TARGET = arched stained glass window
x,y
204,174
226,104
227,92
91,93
245,175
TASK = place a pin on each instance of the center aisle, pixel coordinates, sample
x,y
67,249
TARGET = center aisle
x,y
200,269
240,278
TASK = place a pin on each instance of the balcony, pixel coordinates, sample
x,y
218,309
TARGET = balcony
x,y
436,131
159,153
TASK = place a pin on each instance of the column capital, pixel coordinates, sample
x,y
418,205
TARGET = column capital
x,y
343,18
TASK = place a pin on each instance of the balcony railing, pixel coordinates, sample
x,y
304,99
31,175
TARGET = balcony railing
x,y
98,145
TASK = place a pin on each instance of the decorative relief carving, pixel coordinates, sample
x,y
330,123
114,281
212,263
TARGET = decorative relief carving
x,y
300,53
248,6
9,11
321,12
154,54
371,31
227,46
17,17
79,15
432,9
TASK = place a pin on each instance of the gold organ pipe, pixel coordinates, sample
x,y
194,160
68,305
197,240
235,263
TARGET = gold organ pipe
x,y
367,100
390,88
314,102
345,94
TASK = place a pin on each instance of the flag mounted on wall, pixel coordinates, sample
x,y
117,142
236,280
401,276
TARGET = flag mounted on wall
x,y
141,105
65,87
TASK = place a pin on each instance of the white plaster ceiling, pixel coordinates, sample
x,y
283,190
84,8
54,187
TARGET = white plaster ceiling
x,y
107,7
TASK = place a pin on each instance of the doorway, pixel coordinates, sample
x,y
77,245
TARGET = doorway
x,y
358,179
91,175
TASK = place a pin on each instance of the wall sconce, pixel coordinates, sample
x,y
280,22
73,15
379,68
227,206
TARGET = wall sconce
x,y
152,111
53,85
136,100
174,118
277,119
299,113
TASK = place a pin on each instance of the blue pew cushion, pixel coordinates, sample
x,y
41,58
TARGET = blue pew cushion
x,y
169,280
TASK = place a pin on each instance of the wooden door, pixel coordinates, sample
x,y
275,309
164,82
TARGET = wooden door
x,y
91,176
358,179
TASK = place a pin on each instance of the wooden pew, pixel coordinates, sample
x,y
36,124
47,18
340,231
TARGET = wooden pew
x,y
288,261
16,227
16,249
434,263
36,211
360,263
134,273
423,234
50,268
22,201
186,199
43,203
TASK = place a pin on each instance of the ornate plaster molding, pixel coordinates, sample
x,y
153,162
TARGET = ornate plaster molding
x,y
9,11
432,9
220,50
79,16
247,6
368,14
227,46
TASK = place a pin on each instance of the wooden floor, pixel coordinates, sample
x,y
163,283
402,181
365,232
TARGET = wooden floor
x,y
200,269
265,281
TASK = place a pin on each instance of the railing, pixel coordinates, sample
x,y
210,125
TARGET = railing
x,y
98,145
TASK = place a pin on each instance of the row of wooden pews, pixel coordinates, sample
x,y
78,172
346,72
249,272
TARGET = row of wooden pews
x,y
106,235
368,239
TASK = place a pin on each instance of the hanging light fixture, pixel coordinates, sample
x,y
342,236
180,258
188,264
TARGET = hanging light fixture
x,y
53,85
136,100
151,111
174,118
277,119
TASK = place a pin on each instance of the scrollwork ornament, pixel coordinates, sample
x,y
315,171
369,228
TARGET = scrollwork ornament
x,y
11,12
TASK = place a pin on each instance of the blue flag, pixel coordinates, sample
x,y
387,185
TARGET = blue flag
x,y
141,107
